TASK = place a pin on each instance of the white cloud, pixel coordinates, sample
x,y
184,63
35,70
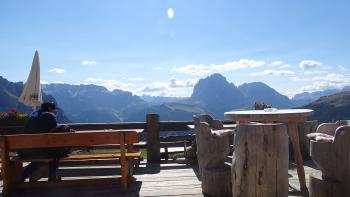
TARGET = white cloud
x,y
285,66
337,78
283,73
89,62
154,87
158,68
279,64
342,68
174,83
276,63
43,82
309,64
200,69
329,81
194,69
110,84
298,79
57,82
57,70
136,79
173,87
314,72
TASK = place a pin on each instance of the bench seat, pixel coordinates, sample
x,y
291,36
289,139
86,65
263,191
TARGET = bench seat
x,y
12,165
77,157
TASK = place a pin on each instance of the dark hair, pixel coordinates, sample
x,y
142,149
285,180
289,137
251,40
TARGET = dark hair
x,y
45,106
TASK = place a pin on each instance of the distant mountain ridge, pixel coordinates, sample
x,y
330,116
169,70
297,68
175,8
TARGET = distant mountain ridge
x,y
331,108
162,99
166,111
91,103
260,92
216,95
10,92
308,97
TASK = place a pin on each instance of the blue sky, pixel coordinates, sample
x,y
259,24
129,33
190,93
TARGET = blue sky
x,y
162,47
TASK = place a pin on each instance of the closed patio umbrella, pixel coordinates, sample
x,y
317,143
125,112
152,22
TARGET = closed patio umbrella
x,y
31,94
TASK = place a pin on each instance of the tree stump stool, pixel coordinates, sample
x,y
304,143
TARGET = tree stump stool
x,y
260,160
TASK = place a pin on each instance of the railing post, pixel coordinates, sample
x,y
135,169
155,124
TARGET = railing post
x,y
153,138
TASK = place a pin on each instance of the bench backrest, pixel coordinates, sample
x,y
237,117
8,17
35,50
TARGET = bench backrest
x,y
47,140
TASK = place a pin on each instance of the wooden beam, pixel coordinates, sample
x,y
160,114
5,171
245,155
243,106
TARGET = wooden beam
x,y
99,126
123,166
68,139
153,143
5,168
79,157
174,125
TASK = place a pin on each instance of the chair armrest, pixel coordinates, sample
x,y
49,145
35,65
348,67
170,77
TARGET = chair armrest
x,y
216,124
327,128
342,133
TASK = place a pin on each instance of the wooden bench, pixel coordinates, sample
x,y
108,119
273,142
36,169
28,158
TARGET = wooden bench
x,y
11,166
170,144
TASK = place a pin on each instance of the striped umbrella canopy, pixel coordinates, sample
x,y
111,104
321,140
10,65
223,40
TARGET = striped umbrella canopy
x,y
31,94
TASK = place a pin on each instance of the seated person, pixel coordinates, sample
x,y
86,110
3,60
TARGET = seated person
x,y
43,121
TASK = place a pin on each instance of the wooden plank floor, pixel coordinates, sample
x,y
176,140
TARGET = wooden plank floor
x,y
166,179
309,167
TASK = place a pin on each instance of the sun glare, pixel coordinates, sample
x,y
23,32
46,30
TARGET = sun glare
x,y
170,13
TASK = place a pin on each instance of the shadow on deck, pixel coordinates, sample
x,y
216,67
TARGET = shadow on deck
x,y
165,179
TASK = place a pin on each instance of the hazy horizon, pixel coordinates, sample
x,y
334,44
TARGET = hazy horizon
x,y
164,47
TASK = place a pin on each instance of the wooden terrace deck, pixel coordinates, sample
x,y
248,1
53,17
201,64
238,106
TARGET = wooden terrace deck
x,y
166,179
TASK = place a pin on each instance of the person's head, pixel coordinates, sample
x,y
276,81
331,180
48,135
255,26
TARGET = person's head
x,y
49,107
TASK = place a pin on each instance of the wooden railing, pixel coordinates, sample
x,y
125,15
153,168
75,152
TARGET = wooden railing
x,y
152,128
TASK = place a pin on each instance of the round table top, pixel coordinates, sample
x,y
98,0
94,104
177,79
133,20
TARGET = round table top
x,y
270,115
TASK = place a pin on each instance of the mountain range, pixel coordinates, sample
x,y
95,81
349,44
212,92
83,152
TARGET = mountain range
x,y
308,97
216,95
91,103
10,92
331,108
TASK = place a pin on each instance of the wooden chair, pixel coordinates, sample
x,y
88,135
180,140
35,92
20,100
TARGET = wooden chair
x,y
333,159
213,147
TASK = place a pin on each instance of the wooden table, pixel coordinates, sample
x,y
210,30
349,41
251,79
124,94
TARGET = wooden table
x,y
292,117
